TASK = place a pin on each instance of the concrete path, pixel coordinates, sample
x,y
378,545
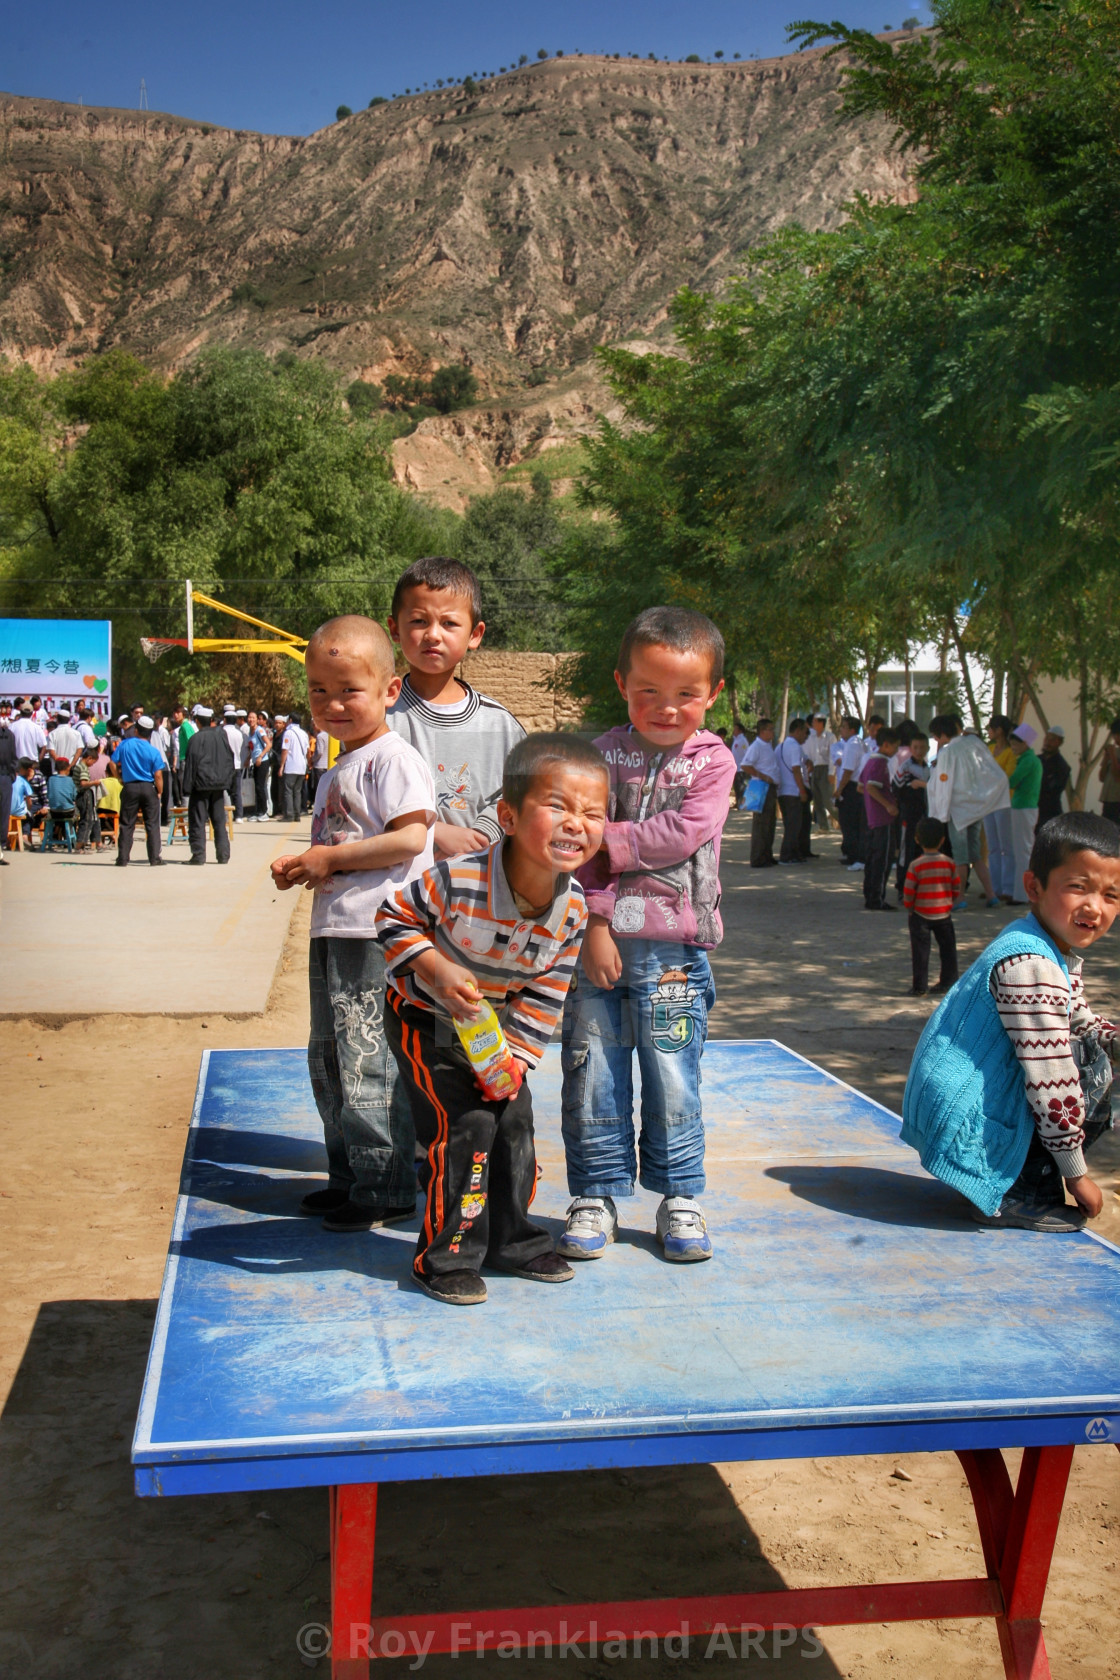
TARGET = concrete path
x,y
81,937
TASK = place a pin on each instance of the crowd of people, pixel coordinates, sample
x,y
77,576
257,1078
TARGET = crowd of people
x,y
71,777
901,797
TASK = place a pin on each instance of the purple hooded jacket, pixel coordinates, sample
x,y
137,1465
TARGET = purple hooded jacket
x,y
659,875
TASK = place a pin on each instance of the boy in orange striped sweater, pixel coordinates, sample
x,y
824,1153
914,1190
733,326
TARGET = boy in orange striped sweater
x,y
501,926
928,893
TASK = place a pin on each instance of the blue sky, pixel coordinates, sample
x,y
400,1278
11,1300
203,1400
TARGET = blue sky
x,y
283,67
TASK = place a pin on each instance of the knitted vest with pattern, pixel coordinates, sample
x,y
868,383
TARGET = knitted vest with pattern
x,y
965,1106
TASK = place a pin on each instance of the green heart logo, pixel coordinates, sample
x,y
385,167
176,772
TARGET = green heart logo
x,y
101,684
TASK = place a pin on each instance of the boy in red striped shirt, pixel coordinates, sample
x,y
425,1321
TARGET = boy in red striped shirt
x,y
928,893
501,926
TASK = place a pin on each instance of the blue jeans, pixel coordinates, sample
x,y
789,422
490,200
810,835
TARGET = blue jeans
x,y
660,1008
367,1123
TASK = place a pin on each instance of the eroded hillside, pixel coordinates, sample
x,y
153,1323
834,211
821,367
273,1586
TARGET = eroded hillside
x,y
557,209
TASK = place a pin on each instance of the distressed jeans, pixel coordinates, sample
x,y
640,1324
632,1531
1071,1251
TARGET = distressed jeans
x,y
367,1123
659,1008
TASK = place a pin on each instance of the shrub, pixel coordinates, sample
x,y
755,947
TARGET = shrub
x,y
246,292
341,112
364,397
378,99
694,58
541,53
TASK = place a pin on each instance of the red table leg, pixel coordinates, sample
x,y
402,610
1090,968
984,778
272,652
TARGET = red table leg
x,y
353,1527
1017,1532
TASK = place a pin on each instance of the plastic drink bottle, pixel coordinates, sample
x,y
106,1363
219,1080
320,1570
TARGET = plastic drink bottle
x,y
495,1070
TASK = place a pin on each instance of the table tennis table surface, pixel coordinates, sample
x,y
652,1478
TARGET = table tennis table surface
x,y
851,1305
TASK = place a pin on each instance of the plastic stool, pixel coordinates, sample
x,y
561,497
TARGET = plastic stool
x,y
54,822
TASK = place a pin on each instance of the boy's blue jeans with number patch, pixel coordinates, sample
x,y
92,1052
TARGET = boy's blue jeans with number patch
x,y
659,1007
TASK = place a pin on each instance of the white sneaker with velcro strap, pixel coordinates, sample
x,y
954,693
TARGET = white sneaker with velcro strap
x,y
592,1222
681,1230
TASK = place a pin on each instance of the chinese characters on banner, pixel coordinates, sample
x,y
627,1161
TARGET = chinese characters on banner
x,y
59,659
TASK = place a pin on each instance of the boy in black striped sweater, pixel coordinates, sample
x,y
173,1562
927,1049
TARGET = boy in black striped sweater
x,y
501,926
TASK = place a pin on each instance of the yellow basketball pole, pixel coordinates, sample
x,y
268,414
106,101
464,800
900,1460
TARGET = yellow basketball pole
x,y
293,646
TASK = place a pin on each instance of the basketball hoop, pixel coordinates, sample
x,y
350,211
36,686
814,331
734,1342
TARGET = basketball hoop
x,y
154,647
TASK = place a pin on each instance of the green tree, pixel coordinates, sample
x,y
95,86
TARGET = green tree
x,y
508,539
248,478
452,387
344,111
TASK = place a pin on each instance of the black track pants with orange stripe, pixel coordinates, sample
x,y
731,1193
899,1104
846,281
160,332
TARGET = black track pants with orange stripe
x,y
480,1166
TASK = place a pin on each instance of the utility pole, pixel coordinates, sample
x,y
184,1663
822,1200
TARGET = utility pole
x,y
143,94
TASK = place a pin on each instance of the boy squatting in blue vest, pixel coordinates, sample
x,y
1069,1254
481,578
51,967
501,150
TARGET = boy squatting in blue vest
x,y
1011,1080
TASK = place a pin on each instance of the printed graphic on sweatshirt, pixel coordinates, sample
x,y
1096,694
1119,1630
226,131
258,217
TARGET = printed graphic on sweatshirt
x,y
673,1014
629,914
453,787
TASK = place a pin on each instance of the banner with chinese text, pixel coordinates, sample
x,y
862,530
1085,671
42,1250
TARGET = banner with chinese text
x,y
57,658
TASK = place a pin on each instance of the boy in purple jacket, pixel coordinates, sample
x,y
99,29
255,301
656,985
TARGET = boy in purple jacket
x,y
646,984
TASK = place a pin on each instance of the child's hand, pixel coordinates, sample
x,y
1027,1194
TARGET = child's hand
x,y
452,841
455,986
279,867
601,960
307,869
1087,1194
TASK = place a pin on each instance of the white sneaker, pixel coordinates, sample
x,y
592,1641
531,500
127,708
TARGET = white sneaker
x,y
681,1230
852,866
592,1222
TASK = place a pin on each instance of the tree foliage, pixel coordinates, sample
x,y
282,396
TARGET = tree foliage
x,y
912,422
249,478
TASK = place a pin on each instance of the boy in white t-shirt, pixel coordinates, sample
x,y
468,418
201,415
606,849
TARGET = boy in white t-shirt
x,y
371,834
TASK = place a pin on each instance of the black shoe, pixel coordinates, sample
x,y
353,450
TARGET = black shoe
x,y
458,1289
319,1202
918,991
544,1268
156,863
200,863
353,1217
1015,1215
122,863
943,986
814,854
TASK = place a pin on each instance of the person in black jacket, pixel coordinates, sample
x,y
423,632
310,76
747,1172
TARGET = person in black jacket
x,y
207,773
1055,775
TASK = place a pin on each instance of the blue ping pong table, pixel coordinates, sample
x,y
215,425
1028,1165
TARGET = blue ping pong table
x,y
851,1307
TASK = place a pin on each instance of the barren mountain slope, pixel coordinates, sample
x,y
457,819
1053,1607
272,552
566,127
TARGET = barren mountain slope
x,y
557,209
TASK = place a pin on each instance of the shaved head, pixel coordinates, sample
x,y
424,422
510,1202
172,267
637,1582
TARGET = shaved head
x,y
352,636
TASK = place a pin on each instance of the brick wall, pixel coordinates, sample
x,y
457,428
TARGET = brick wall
x,y
519,681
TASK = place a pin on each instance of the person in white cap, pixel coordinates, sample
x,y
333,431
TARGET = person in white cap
x,y
64,740
207,772
139,766
1026,785
1055,774
231,729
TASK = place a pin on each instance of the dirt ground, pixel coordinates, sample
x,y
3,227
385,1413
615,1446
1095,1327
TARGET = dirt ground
x,y
108,1587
